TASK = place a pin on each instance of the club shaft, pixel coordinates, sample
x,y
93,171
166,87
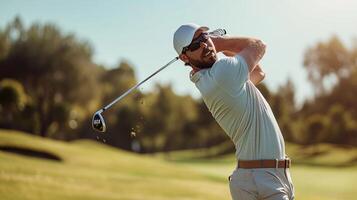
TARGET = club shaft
x,y
137,85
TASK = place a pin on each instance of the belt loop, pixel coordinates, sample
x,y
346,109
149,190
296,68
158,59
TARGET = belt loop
x,y
261,163
276,163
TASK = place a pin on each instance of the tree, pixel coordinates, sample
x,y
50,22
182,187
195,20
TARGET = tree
x,y
12,99
125,115
118,80
163,124
284,108
55,68
315,129
341,125
327,60
335,103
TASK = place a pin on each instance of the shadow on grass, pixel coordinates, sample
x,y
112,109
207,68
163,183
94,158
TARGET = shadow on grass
x,y
31,153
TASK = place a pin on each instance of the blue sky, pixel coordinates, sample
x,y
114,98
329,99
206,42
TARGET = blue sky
x,y
141,31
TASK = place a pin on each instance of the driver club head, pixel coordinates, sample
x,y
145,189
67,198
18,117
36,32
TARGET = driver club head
x,y
98,122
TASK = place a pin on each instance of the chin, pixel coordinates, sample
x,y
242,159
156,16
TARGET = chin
x,y
208,64
212,59
205,63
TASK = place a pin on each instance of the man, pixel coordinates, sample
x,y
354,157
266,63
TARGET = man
x,y
227,86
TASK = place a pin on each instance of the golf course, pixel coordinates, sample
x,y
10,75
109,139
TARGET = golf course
x,y
32,167
178,100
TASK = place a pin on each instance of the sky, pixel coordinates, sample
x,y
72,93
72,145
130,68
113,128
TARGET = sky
x,y
140,32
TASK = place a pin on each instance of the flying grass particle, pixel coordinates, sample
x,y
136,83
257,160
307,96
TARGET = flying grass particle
x,y
132,134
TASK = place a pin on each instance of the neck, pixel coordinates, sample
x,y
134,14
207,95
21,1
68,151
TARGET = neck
x,y
195,69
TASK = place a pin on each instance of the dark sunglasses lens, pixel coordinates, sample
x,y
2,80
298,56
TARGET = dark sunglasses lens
x,y
195,46
197,43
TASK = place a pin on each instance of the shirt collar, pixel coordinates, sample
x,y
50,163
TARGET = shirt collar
x,y
195,76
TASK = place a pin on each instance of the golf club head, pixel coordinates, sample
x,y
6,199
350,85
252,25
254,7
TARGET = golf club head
x,y
98,122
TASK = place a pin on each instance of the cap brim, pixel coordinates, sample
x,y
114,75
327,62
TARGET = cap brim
x,y
205,28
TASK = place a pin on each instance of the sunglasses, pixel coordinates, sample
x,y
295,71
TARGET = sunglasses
x,y
196,43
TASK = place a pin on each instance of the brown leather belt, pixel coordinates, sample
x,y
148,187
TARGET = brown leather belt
x,y
251,164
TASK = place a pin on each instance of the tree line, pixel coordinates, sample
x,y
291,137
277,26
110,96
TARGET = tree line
x,y
50,86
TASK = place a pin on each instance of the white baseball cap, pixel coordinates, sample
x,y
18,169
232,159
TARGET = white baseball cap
x,y
184,35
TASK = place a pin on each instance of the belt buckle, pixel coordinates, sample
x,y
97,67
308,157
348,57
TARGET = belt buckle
x,y
276,163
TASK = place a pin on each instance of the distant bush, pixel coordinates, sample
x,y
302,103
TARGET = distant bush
x,y
12,95
12,101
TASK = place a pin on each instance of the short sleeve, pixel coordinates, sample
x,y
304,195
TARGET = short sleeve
x,y
231,73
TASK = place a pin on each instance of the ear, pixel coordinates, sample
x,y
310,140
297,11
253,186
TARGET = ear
x,y
184,58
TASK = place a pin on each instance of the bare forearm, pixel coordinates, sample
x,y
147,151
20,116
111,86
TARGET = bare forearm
x,y
254,50
232,44
257,75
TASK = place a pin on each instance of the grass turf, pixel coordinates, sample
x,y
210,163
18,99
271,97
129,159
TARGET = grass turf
x,y
90,170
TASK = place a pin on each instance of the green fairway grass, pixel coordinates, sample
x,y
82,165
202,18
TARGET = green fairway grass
x,y
311,182
90,170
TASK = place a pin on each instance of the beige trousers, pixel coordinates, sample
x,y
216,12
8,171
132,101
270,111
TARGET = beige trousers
x,y
266,183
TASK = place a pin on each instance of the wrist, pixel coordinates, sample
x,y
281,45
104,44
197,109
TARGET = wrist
x,y
229,53
217,41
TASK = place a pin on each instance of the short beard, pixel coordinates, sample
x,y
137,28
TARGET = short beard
x,y
201,63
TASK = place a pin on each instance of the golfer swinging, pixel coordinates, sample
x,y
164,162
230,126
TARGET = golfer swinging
x,y
227,86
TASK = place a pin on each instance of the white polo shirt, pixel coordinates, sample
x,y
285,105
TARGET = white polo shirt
x,y
240,109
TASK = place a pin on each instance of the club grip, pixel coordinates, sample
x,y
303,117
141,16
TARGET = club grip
x,y
218,32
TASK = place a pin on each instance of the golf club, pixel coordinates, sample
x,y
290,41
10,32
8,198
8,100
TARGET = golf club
x,y
98,122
